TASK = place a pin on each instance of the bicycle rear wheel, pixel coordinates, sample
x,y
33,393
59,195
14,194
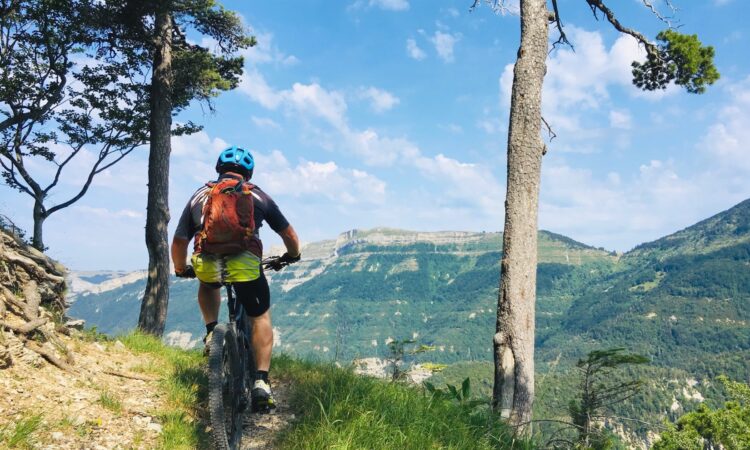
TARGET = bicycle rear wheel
x,y
224,389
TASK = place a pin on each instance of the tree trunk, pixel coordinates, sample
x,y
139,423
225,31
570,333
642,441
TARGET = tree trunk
x,y
156,297
513,391
37,241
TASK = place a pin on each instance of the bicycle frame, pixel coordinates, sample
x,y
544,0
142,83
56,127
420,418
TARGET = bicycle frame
x,y
242,327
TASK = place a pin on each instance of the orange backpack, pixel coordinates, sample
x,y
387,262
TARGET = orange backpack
x,y
228,218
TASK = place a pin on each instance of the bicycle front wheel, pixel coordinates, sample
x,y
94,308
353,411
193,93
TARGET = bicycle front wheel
x,y
224,391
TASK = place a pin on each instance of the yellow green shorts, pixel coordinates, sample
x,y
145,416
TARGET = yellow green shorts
x,y
237,268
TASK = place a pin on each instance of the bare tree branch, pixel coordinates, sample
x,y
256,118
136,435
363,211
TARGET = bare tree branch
x,y
666,19
563,39
598,5
550,133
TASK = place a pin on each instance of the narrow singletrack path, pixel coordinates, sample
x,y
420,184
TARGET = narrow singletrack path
x,y
260,430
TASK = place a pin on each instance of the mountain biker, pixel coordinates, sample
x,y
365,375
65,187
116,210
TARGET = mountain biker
x,y
242,269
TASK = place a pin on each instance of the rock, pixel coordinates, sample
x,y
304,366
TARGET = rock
x,y
57,436
155,427
77,324
119,345
99,347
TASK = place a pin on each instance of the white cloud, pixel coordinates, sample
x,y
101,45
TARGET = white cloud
x,y
452,12
459,184
466,183
391,5
727,141
444,44
263,52
104,213
254,85
311,100
413,50
310,179
380,100
265,122
620,119
568,90
620,212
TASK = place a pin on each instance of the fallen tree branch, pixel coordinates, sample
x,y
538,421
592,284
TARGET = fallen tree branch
x,y
11,300
131,376
59,344
26,328
49,356
32,268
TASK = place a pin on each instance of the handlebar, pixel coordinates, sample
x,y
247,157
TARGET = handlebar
x,y
275,263
279,262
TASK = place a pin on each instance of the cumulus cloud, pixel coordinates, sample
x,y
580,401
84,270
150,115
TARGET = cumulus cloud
x,y
310,179
470,188
444,44
568,91
309,99
619,212
380,100
727,141
413,50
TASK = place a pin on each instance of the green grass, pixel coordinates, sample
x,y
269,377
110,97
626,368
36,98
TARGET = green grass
x,y
335,408
184,386
341,410
21,434
110,401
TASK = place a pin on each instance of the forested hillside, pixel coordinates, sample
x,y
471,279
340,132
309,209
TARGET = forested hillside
x,y
349,296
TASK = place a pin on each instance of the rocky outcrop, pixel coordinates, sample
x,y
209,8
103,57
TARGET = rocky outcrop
x,y
32,304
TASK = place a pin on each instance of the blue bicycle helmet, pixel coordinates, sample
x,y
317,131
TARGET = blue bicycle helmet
x,y
236,159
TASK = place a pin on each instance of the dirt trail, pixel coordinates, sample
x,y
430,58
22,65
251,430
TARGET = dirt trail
x,y
260,430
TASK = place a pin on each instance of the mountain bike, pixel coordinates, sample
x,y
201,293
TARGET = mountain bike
x,y
231,369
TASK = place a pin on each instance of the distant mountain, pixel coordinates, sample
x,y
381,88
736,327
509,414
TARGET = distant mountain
x,y
684,300
726,229
350,295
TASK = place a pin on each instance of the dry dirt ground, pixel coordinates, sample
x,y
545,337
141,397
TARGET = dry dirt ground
x,y
78,409
259,430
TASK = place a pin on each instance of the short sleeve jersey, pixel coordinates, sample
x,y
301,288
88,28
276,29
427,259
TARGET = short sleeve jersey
x,y
265,209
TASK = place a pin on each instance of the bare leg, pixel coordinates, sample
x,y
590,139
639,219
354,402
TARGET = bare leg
x,y
209,300
263,340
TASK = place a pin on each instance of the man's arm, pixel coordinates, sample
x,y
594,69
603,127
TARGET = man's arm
x,y
179,253
291,241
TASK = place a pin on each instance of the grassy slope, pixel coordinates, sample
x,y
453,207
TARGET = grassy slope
x,y
336,408
184,384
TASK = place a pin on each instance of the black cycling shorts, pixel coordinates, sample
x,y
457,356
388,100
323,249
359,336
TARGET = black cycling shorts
x,y
254,295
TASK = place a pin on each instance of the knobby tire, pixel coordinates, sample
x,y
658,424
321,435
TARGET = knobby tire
x,y
224,371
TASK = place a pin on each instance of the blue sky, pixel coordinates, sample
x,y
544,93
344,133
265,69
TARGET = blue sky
x,y
367,113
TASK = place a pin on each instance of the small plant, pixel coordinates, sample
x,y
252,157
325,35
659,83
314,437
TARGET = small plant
x,y
21,434
110,402
452,393
94,335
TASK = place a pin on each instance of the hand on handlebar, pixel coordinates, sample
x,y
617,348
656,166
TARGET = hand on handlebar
x,y
290,259
279,262
187,272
